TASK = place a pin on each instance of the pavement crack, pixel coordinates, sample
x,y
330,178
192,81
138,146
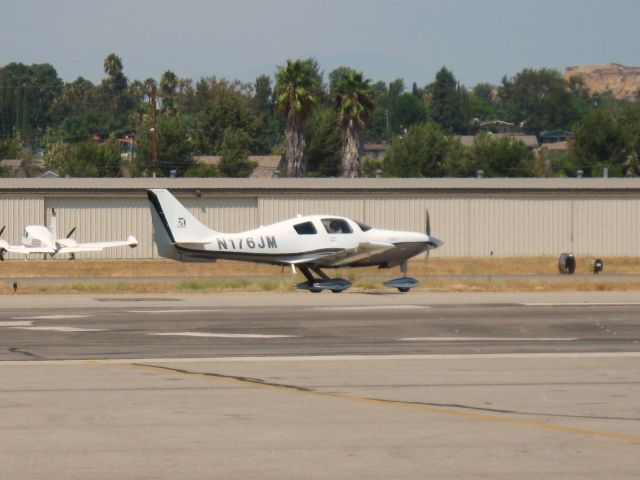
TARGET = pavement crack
x,y
25,352
510,412
452,409
255,381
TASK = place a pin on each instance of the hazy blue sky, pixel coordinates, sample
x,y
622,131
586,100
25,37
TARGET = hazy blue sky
x,y
480,41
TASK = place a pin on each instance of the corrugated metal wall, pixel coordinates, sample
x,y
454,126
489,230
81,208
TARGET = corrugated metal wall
x,y
470,225
224,214
609,225
16,213
103,219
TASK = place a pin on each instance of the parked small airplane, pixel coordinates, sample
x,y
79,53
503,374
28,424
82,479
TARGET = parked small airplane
x,y
308,243
40,239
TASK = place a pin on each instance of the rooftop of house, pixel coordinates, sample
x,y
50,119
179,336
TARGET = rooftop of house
x,y
267,165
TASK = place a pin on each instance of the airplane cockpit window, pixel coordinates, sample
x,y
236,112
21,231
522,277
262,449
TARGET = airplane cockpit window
x,y
336,225
306,228
363,227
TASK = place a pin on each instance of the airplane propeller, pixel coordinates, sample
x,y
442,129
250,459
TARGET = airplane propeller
x,y
2,250
428,232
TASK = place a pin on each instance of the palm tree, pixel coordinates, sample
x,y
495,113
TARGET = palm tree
x,y
353,99
296,91
116,83
113,68
168,86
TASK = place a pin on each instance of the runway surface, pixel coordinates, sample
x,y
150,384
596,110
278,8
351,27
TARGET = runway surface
x,y
320,386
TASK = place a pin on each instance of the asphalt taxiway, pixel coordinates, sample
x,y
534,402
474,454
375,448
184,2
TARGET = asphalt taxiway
x,y
320,386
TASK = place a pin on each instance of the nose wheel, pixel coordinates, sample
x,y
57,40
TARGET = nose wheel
x,y
404,283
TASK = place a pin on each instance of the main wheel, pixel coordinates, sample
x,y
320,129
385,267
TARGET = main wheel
x,y
403,289
336,291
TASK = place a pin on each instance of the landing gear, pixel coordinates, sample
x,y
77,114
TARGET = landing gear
x,y
316,285
404,283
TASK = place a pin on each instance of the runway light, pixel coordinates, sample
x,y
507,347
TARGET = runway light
x,y
597,266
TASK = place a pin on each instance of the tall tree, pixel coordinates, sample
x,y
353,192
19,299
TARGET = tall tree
x,y
175,146
541,100
236,146
115,84
335,77
600,142
168,86
114,69
482,103
225,108
421,152
377,128
353,97
448,102
269,131
502,157
76,97
85,159
324,143
27,93
395,91
409,110
296,93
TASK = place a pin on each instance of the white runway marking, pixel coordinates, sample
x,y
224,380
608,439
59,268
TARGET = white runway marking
x,y
50,317
61,329
583,304
222,335
325,358
484,339
184,311
20,323
378,307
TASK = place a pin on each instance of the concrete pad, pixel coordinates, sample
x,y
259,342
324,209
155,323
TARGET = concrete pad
x,y
505,418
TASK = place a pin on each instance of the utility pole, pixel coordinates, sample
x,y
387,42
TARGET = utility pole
x,y
154,133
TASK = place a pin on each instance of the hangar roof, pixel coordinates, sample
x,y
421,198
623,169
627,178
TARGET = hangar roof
x,y
136,186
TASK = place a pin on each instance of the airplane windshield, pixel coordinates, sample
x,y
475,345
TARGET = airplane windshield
x,y
306,228
336,225
363,227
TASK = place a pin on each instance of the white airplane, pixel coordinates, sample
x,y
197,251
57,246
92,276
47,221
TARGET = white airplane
x,y
40,239
309,243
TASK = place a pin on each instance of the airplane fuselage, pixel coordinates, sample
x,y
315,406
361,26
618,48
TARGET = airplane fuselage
x,y
310,243
38,236
282,243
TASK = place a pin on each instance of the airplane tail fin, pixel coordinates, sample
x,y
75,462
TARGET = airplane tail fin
x,y
174,224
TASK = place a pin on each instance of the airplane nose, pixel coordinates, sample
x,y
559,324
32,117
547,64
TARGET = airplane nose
x,y
434,242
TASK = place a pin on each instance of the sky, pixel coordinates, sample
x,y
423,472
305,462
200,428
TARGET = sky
x,y
478,40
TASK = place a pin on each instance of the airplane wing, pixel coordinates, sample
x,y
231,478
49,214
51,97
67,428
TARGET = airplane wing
x,y
70,246
352,255
25,250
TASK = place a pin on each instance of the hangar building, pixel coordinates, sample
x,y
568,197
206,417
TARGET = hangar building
x,y
475,217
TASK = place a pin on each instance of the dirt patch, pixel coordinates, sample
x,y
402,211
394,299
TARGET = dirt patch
x,y
169,268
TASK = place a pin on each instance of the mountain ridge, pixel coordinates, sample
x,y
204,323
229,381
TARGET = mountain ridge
x,y
622,81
